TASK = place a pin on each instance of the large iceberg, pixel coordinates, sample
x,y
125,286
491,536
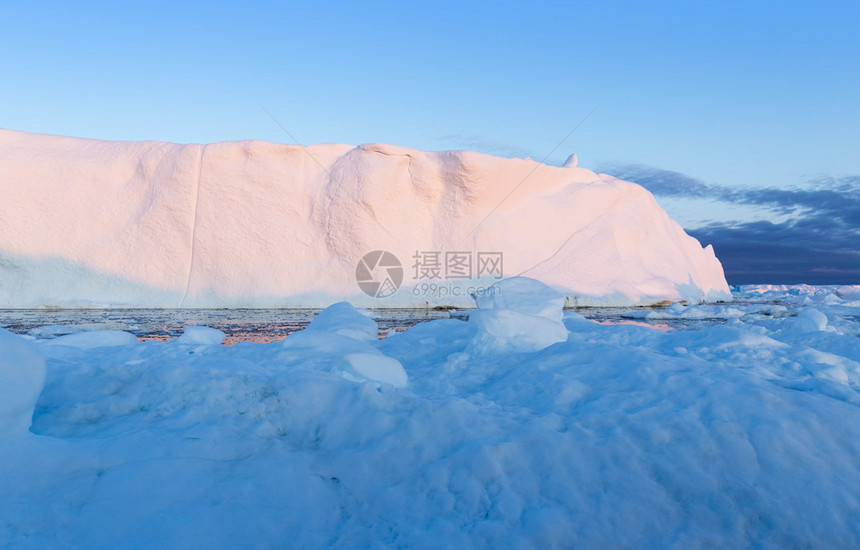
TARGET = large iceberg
x,y
258,224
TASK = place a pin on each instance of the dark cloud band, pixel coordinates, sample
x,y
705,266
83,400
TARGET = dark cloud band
x,y
820,244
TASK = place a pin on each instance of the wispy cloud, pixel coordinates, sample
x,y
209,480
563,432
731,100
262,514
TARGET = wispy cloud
x,y
662,182
475,142
818,243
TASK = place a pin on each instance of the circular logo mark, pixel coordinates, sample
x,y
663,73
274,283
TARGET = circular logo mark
x,y
379,274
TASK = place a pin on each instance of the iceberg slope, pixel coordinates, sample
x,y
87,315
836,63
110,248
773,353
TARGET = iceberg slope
x,y
252,223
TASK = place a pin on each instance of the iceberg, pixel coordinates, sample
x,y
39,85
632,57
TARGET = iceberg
x,y
258,224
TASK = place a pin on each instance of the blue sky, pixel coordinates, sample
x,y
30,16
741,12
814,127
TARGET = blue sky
x,y
730,95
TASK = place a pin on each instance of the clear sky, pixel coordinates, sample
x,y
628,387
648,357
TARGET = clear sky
x,y
731,97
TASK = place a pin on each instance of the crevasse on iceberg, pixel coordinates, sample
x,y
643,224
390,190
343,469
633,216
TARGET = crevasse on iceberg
x,y
251,223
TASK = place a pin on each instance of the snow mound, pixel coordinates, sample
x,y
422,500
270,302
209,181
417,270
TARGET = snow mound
x,y
257,224
22,375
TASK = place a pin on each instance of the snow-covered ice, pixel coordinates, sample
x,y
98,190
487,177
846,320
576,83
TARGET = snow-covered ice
x,y
94,339
201,335
523,295
257,224
736,425
517,314
22,374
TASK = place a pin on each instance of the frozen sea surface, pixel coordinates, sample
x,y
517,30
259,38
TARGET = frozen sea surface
x,y
270,325
729,425
238,325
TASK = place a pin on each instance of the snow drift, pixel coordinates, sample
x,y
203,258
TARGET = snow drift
x,y
22,376
257,224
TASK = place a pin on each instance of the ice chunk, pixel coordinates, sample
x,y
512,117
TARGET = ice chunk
x,y
808,320
22,376
343,319
201,335
505,330
344,339
375,367
94,339
52,331
517,314
848,292
523,295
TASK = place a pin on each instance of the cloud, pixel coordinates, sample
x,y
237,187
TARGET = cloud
x,y
835,200
662,182
474,142
819,243
784,253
